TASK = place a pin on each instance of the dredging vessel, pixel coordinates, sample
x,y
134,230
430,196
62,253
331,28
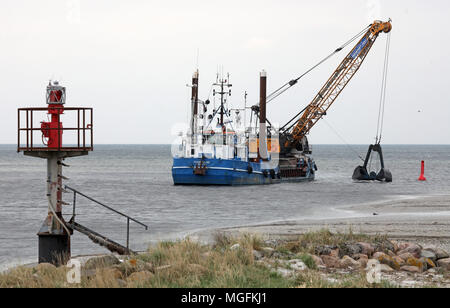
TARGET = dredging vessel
x,y
221,148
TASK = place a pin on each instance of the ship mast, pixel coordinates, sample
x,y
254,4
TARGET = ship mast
x,y
225,91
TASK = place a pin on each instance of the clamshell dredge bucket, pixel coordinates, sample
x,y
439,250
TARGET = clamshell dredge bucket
x,y
361,173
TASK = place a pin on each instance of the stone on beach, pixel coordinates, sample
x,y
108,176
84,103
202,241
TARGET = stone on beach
x,y
386,268
330,261
101,262
444,263
346,262
439,253
410,269
413,249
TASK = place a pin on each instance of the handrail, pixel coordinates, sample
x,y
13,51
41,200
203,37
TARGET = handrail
x,y
75,192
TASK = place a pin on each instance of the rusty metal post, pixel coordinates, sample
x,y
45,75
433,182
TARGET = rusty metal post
x,y
263,154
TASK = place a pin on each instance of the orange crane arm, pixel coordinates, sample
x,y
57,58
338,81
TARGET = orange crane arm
x,y
336,83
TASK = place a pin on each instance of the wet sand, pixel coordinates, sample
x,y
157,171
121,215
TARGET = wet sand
x,y
424,220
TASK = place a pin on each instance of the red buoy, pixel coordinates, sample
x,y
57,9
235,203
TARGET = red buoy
x,y
422,172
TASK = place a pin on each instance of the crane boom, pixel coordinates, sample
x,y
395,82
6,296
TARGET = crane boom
x,y
294,135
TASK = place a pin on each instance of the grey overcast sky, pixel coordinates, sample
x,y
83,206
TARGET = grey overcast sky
x,y
131,61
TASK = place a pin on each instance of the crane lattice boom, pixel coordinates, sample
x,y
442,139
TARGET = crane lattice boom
x,y
335,84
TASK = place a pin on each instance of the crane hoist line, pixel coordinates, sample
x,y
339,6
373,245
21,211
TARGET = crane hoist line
x,y
293,137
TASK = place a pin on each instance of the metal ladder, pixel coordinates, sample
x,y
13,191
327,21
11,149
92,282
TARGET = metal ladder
x,y
96,237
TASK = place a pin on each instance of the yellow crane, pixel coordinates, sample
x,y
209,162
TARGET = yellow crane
x,y
293,134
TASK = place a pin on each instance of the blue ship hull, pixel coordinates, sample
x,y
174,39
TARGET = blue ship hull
x,y
228,172
222,172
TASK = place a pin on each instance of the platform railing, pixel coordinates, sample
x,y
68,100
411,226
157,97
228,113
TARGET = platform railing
x,y
76,192
84,129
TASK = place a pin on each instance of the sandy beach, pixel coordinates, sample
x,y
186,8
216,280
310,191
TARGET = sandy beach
x,y
425,220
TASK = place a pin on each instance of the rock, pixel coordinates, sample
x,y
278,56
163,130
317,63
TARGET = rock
x,y
317,260
399,260
444,263
388,260
402,245
350,249
257,255
101,262
267,251
326,250
140,277
391,253
297,265
413,249
45,267
363,259
359,256
379,255
284,272
395,245
383,246
131,266
410,269
366,248
386,268
439,253
235,247
429,263
417,263
346,262
405,256
330,261
427,254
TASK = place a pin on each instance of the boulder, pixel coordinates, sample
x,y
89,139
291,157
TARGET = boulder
x,y
417,263
399,260
428,262
405,256
379,255
413,249
350,249
388,260
267,251
257,255
363,259
347,262
366,248
284,272
318,261
428,254
439,253
444,263
395,246
326,250
330,261
131,266
410,269
391,253
235,247
383,246
101,262
386,268
402,245
297,265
